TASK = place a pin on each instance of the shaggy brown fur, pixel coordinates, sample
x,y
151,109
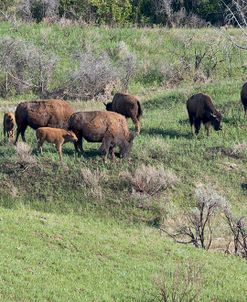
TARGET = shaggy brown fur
x,y
201,109
127,105
244,98
8,125
42,113
55,136
110,128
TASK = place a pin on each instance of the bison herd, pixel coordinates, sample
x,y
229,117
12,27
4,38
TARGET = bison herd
x,y
56,122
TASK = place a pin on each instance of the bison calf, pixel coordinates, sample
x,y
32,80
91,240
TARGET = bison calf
x,y
110,128
55,136
127,105
8,125
201,109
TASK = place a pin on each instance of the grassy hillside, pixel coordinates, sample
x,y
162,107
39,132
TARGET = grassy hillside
x,y
66,257
77,229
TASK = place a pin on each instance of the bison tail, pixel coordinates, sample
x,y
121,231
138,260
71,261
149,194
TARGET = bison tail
x,y
140,112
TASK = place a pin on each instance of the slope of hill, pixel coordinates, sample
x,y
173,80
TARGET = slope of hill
x,y
79,230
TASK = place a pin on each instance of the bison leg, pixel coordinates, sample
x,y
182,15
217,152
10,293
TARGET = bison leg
x,y
137,125
79,145
21,130
59,151
245,111
39,146
18,131
4,132
11,134
23,134
207,126
111,151
191,118
197,124
106,145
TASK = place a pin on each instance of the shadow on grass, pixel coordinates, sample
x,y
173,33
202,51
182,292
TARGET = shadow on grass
x,y
171,133
184,121
164,101
232,121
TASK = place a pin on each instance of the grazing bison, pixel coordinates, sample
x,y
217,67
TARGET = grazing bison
x,y
55,136
110,128
201,109
127,105
244,98
42,113
8,125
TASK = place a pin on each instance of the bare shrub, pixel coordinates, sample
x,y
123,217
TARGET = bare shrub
x,y
172,74
7,187
92,179
165,12
196,228
236,12
184,284
127,62
238,150
193,21
24,67
238,230
150,180
38,9
156,148
24,154
89,79
182,19
65,22
192,62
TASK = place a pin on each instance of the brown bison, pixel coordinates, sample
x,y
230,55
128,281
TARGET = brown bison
x,y
55,136
201,109
244,97
110,128
42,113
127,105
8,125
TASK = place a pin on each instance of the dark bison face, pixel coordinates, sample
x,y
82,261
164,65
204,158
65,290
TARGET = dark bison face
x,y
216,121
108,106
126,148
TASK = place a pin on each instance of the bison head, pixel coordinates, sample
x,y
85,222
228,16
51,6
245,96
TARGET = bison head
x,y
127,146
108,106
10,119
71,137
216,120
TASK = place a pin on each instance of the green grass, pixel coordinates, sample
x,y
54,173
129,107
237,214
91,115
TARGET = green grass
x,y
62,241
74,258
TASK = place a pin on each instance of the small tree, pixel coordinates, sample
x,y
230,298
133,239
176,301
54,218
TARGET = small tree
x,y
184,284
196,227
236,14
239,232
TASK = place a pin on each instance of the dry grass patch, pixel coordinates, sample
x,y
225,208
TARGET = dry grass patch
x,y
92,180
149,180
24,154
